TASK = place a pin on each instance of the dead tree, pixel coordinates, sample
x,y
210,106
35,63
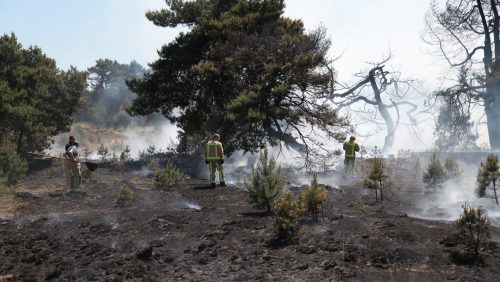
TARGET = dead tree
x,y
381,82
467,35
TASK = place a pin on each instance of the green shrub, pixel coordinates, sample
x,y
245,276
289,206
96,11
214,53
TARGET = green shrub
x,y
287,210
12,167
125,154
168,177
376,177
452,169
125,196
475,230
487,177
266,182
434,173
313,197
103,151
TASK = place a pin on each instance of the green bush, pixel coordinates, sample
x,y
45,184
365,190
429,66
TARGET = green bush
x,y
475,230
376,177
125,154
452,169
312,198
266,182
168,177
12,167
125,196
103,151
487,176
434,173
287,210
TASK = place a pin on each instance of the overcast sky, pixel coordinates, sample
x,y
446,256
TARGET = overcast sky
x,y
80,32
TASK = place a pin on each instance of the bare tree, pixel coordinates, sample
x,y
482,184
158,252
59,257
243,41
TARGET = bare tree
x,y
466,34
388,91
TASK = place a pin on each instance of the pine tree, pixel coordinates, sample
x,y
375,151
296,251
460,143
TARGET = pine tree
x,y
37,100
376,177
287,210
266,182
243,69
452,169
487,176
434,173
313,197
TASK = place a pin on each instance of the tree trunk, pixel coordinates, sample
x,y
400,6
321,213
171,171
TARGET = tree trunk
x,y
381,195
19,142
391,128
495,191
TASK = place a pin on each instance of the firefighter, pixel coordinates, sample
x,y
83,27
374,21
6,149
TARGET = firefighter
x,y
74,172
66,161
214,157
350,148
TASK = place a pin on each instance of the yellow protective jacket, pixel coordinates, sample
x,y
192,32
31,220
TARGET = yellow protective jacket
x,y
214,151
350,149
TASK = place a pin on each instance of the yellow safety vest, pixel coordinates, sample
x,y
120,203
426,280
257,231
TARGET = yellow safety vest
x,y
350,149
212,152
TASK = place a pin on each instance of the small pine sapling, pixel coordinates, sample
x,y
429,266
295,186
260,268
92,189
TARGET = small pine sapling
x,y
313,197
266,182
487,176
168,177
434,174
452,169
287,210
103,152
125,196
125,154
475,231
376,177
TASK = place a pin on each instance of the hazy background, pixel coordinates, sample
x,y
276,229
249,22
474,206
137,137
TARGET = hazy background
x,y
80,32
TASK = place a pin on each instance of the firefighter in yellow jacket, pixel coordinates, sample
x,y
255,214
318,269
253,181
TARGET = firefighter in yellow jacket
x,y
214,157
350,148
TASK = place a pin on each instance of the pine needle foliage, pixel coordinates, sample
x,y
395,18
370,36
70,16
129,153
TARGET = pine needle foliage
x,y
287,210
168,177
12,167
376,177
434,173
313,197
487,177
266,182
452,169
244,69
475,229
125,196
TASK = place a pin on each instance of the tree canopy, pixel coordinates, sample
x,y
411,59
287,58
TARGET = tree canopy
x,y
244,70
37,99
467,35
108,95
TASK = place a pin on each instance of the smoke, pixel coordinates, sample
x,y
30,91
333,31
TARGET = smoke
x,y
447,201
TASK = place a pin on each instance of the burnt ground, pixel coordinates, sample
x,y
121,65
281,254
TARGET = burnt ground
x,y
199,234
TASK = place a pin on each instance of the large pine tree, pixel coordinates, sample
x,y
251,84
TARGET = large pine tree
x,y
242,69
37,99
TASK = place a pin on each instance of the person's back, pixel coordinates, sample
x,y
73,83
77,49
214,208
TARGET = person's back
x,y
214,151
350,148
214,157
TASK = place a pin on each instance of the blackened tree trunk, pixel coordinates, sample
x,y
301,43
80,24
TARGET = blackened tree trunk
x,y
391,128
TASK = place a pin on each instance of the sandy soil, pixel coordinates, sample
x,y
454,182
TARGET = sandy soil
x,y
200,234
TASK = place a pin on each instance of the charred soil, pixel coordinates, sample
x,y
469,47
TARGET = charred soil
x,y
198,233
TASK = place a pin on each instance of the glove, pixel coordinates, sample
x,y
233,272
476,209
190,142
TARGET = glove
x,y
221,161
206,161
